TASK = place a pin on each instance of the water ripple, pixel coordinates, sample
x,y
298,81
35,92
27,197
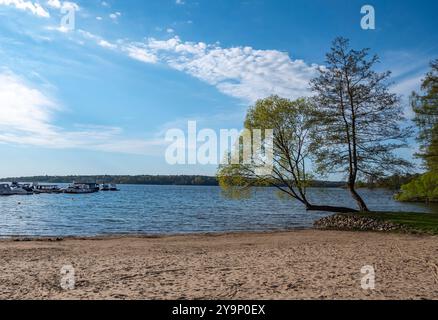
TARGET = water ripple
x,y
171,210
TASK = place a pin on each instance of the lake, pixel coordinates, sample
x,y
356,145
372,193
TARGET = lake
x,y
165,210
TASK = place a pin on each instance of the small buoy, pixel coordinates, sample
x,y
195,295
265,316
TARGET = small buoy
x,y
19,203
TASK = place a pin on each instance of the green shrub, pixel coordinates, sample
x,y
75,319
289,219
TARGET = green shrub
x,y
422,189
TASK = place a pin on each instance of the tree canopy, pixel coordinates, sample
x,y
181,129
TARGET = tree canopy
x,y
358,118
426,117
425,106
292,125
421,189
352,125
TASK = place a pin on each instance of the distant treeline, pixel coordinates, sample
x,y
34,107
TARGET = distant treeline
x,y
145,180
394,182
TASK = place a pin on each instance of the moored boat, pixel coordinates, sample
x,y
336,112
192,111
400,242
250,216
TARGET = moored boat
x,y
5,190
24,186
82,188
47,189
105,187
12,190
108,187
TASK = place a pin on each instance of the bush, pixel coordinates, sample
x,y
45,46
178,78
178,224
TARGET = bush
x,y
422,189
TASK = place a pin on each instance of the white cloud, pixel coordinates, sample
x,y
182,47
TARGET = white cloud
x,y
180,2
62,29
140,53
34,7
408,85
89,35
408,70
404,88
70,6
241,72
22,108
66,5
54,3
27,116
106,44
115,15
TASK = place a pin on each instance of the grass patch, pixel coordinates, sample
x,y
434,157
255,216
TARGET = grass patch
x,y
416,222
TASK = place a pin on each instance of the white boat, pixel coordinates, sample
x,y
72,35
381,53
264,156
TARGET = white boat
x,y
47,189
25,186
81,188
108,187
7,190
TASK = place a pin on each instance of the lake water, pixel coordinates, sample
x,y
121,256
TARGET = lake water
x,y
171,210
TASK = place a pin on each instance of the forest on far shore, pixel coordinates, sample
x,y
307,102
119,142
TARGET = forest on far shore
x,y
392,182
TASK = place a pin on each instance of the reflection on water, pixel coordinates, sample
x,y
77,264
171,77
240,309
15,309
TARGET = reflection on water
x,y
172,210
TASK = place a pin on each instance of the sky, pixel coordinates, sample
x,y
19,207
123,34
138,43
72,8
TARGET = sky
x,y
97,96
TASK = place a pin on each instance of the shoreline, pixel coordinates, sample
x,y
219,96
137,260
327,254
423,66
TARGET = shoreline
x,y
303,264
146,235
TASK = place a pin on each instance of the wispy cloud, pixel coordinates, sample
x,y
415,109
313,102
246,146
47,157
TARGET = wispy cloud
x,y
37,9
68,5
140,53
23,108
408,85
27,118
32,7
408,70
241,72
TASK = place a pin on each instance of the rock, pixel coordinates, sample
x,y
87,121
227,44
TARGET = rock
x,y
356,223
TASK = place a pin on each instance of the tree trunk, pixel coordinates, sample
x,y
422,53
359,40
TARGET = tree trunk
x,y
330,209
362,205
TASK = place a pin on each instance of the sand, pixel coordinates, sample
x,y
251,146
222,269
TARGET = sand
x,y
306,264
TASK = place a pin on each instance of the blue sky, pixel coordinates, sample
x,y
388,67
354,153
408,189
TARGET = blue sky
x,y
98,99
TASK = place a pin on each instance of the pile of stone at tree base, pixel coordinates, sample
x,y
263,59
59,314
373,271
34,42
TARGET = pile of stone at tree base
x,y
351,222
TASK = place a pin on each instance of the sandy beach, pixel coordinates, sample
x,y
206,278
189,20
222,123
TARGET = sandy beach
x,y
306,264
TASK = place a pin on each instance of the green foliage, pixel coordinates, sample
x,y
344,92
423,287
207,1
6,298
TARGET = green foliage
x,y
425,187
426,117
148,180
291,122
422,189
359,119
234,184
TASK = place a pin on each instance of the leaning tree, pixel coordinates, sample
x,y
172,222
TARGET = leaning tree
x,y
292,128
358,118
